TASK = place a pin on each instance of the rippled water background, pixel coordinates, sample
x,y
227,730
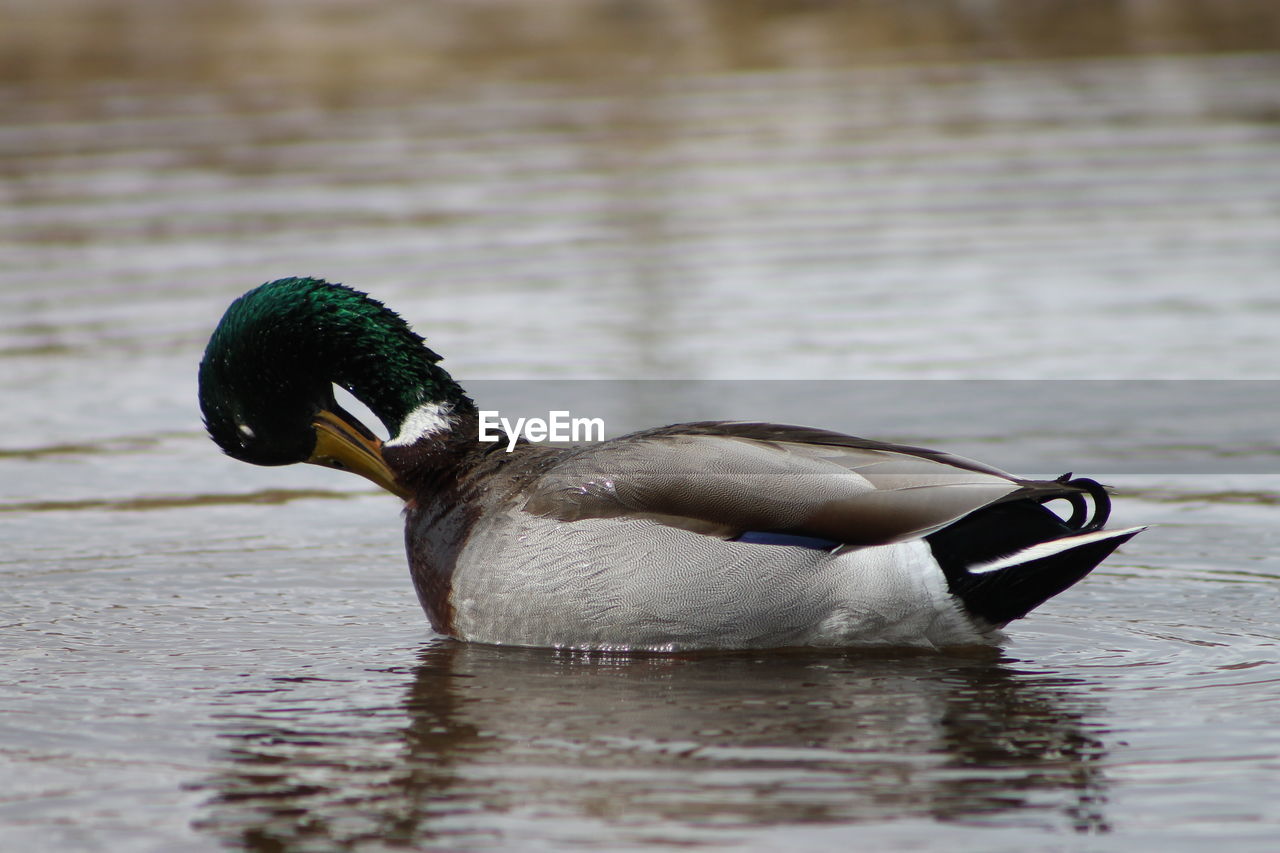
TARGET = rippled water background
x,y
197,654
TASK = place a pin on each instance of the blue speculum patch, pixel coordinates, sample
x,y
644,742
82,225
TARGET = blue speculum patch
x,y
756,537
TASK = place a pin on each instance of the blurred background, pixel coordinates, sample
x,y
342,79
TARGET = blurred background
x,y
658,188
629,190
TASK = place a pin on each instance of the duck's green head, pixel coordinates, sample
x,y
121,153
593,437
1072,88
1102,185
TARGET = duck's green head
x,y
267,377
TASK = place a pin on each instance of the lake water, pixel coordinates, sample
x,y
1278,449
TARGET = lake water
x,y
913,224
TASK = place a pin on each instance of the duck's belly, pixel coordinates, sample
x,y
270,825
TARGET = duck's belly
x,y
625,584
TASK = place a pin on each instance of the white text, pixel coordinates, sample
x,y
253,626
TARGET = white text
x,y
558,426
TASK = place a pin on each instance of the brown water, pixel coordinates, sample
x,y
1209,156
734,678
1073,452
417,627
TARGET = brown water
x,y
198,654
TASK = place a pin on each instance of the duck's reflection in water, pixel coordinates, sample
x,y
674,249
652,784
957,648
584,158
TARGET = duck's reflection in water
x,y
506,745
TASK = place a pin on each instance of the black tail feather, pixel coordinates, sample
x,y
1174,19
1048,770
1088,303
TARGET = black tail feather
x,y
1080,520
1001,595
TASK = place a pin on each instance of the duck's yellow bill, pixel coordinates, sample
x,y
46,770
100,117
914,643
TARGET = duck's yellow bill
x,y
341,445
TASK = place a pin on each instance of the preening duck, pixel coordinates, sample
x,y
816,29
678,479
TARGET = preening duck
x,y
709,535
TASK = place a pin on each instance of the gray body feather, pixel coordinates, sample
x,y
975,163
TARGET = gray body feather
x,y
610,583
726,483
630,543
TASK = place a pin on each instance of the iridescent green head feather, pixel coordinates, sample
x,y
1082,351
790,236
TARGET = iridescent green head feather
x,y
272,362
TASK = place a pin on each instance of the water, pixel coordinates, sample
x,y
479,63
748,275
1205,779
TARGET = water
x,y
197,654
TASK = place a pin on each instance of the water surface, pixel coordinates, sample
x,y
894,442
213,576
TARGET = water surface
x,y
198,654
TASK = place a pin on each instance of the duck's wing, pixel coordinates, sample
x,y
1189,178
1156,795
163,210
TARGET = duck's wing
x,y
727,478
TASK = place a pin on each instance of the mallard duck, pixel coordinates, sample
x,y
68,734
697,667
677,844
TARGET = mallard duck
x,y
708,535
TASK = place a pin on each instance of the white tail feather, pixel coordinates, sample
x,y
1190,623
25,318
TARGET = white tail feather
x,y
1048,549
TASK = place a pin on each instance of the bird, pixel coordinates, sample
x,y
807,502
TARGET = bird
x,y
709,535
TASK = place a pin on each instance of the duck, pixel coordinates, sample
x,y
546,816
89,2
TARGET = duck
x,y
709,535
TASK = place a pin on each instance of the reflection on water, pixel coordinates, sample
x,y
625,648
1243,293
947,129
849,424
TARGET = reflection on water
x,y
662,749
